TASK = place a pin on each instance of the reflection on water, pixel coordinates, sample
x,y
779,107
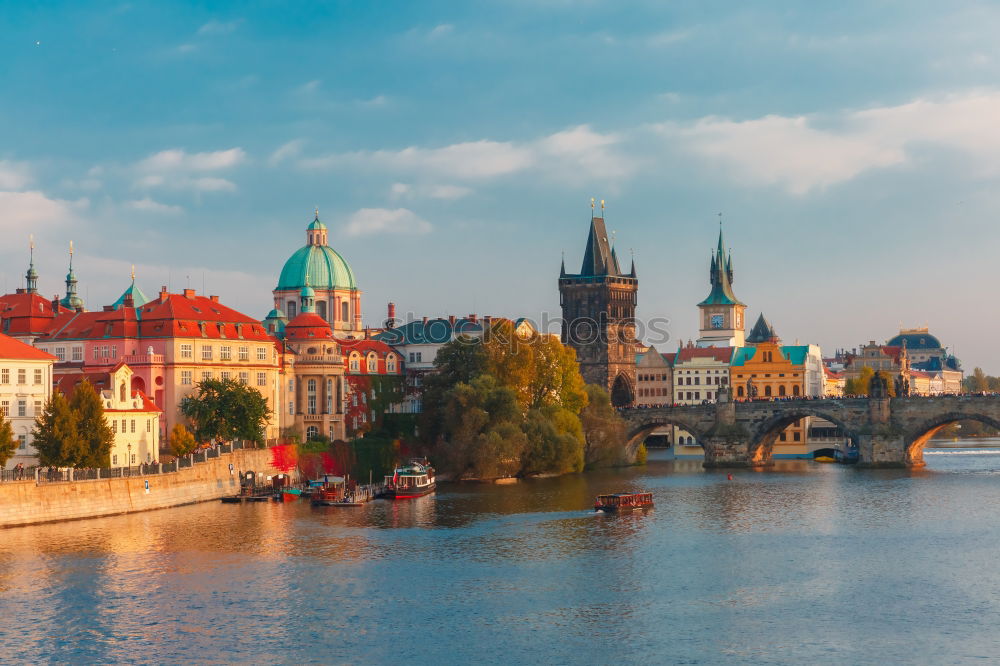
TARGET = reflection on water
x,y
805,563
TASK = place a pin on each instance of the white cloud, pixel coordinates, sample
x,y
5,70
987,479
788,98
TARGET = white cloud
x,y
668,38
447,192
25,210
440,30
14,175
803,153
176,159
286,151
573,154
180,170
386,221
184,49
219,27
377,100
148,205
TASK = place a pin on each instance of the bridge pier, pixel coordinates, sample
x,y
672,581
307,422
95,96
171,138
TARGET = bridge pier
x,y
721,452
886,451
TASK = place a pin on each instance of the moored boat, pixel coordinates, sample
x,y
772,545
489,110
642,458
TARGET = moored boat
x,y
623,502
290,494
414,479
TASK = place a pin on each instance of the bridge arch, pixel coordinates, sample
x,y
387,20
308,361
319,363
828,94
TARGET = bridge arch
x,y
637,434
917,437
766,433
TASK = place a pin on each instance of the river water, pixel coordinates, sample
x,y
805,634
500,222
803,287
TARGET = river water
x,y
802,564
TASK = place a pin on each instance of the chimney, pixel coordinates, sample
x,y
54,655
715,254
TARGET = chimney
x,y
55,304
392,311
164,293
189,293
451,320
425,321
109,308
129,300
214,299
473,318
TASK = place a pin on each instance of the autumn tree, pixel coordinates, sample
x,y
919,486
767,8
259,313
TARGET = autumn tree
x,y
603,429
8,443
91,425
181,442
56,437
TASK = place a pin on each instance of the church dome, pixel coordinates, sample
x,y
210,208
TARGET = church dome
x,y
316,264
916,339
308,326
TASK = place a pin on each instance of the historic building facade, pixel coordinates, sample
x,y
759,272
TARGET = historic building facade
x,y
598,312
320,267
25,387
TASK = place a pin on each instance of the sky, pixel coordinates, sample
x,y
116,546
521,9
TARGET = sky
x,y
452,148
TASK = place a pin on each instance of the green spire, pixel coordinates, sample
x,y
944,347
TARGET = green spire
x,y
721,277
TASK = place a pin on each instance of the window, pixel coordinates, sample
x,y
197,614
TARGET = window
x,y
261,353
329,396
38,408
291,408
226,375
114,351
390,363
225,353
114,426
344,313
5,376
311,396
372,363
97,352
206,353
290,310
244,353
261,379
413,357
149,425
206,375
133,459
185,377
22,407
355,362
114,460
244,378
61,353
767,390
781,390
22,376
795,390
132,424
187,351
22,441
4,407
797,436
124,429
77,353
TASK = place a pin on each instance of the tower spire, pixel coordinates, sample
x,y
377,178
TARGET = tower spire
x,y
31,277
72,300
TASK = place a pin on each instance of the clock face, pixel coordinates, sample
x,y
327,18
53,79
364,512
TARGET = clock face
x,y
716,321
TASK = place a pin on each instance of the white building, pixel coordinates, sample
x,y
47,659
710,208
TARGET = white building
x,y
25,387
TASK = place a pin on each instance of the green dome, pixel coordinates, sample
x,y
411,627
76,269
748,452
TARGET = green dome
x,y
316,224
324,268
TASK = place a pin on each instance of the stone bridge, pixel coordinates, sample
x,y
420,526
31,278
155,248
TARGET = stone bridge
x,y
889,432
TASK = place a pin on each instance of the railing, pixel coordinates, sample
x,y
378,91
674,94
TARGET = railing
x,y
67,474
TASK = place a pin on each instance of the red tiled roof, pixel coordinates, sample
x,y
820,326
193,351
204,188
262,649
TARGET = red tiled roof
x,y
365,346
308,326
15,349
720,354
26,314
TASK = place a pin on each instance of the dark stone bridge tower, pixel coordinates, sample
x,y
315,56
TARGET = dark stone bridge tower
x,y
598,311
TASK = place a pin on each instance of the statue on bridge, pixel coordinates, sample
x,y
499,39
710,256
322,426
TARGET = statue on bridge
x,y
751,388
902,386
878,388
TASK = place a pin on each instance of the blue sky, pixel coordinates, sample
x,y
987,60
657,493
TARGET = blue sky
x,y
453,147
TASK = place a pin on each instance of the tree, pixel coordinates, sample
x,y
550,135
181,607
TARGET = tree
x,y
226,409
8,443
182,442
56,437
92,426
978,382
603,429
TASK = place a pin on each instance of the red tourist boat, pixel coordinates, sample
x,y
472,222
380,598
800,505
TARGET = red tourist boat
x,y
623,502
414,479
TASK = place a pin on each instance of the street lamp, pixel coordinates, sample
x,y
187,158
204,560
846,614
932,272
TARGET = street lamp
x,y
128,460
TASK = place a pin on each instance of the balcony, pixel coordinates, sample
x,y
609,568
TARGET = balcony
x,y
143,359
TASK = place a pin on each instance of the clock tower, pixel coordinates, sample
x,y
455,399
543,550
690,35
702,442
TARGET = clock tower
x,y
721,314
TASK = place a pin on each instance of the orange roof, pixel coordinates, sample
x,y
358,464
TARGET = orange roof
x,y
15,349
365,346
308,326
27,314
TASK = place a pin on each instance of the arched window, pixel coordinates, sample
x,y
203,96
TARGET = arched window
x,y
121,392
311,432
321,309
290,309
372,363
311,396
355,362
767,390
329,396
390,363
344,311
781,390
739,391
795,390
